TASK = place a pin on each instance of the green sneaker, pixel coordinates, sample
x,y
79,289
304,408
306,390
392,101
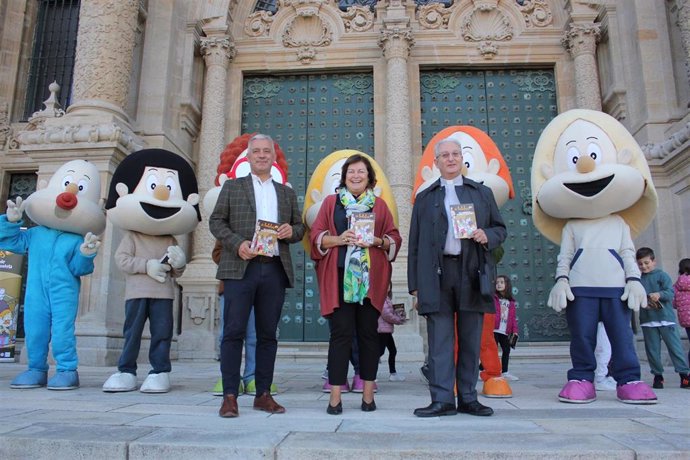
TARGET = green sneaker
x,y
250,388
274,389
241,389
218,389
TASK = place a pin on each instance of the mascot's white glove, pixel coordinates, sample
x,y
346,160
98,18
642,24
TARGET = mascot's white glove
x,y
90,245
635,294
558,295
156,270
15,210
176,257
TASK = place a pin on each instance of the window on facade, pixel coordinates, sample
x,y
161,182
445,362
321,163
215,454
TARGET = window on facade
x,y
52,58
267,5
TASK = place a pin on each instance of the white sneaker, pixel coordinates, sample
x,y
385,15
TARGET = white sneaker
x,y
120,381
395,377
509,376
156,383
605,384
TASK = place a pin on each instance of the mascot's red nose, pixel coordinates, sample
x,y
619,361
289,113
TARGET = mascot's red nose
x,y
66,200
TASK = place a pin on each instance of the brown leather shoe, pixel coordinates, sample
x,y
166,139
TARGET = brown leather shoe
x,y
266,403
229,407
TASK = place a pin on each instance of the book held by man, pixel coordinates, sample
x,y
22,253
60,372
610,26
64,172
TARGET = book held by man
x,y
362,223
265,240
464,220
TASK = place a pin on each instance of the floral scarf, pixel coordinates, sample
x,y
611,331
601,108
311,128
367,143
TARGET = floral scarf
x,y
357,263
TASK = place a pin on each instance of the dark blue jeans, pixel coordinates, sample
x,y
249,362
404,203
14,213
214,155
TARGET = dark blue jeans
x,y
160,316
262,286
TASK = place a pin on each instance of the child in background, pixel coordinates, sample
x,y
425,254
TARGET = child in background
x,y
506,321
389,317
681,298
658,320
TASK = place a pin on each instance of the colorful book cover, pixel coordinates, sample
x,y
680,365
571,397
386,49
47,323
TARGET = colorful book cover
x,y
464,220
362,223
265,241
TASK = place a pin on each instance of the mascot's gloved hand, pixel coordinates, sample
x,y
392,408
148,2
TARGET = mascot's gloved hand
x,y
90,245
558,295
176,257
635,294
157,270
15,210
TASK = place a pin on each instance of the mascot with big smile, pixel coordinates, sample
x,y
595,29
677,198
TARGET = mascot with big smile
x,y
153,196
592,194
61,248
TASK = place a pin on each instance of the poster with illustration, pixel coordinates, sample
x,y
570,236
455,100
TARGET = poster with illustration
x,y
10,289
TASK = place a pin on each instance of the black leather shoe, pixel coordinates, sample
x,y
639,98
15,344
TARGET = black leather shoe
x,y
368,407
335,410
475,408
435,409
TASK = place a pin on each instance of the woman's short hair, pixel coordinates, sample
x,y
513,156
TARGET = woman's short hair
x,y
356,158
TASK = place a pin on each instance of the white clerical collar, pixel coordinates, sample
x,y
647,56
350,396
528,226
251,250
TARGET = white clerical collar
x,y
454,182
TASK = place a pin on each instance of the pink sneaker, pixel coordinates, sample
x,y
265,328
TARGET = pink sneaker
x,y
636,392
327,387
578,392
357,384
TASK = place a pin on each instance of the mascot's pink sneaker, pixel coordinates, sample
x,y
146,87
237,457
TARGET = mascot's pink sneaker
x,y
636,392
578,392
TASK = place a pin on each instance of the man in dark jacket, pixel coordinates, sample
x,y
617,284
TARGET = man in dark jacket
x,y
443,273
253,279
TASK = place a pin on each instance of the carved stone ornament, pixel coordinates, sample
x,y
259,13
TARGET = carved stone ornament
x,y
357,19
307,30
75,134
52,109
434,16
258,24
4,124
488,24
581,39
488,49
197,307
672,144
485,5
537,13
396,42
217,50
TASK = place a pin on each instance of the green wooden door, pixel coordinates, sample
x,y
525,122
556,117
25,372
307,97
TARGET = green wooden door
x,y
310,116
513,107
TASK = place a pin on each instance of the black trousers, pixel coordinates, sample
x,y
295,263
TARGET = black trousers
x,y
504,342
263,286
344,321
386,340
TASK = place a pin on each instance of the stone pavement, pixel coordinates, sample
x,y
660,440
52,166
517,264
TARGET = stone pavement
x,y
87,423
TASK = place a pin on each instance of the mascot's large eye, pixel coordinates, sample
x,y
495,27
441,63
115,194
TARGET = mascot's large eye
x,y
594,151
171,185
572,155
468,160
66,181
83,185
151,182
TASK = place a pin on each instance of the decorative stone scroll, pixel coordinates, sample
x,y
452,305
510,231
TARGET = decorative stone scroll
x,y
434,16
357,19
76,134
258,24
4,124
537,13
669,146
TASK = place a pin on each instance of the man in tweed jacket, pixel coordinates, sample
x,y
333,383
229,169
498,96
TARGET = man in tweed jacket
x,y
250,279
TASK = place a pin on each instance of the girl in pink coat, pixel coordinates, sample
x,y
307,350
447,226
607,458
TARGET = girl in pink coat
x,y
681,298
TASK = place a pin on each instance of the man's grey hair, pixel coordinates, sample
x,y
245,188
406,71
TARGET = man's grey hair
x,y
451,140
261,137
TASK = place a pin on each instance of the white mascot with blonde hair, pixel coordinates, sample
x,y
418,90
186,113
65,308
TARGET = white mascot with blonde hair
x,y
592,194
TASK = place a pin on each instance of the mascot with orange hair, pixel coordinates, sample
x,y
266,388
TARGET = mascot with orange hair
x,y
484,164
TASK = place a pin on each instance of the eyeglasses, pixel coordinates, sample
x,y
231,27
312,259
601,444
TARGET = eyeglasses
x,y
446,155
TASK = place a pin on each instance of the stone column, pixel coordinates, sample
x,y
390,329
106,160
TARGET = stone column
x,y
581,41
395,40
684,26
95,127
199,299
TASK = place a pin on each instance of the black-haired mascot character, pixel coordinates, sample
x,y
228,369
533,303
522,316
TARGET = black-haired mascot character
x,y
153,195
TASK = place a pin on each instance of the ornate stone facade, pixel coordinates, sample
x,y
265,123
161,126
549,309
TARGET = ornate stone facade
x,y
187,54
